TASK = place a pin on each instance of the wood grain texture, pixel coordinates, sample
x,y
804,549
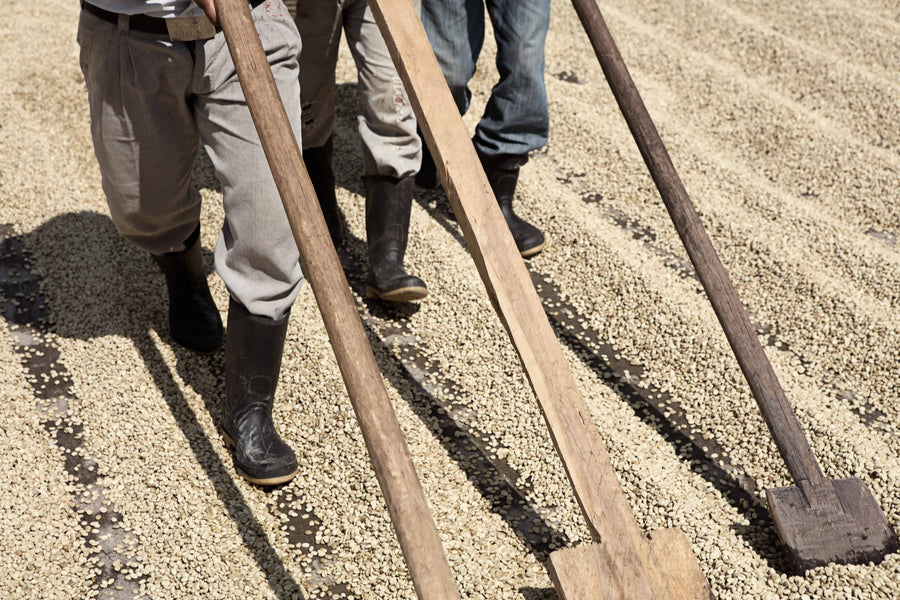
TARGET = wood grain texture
x,y
513,296
504,273
384,439
589,573
671,551
849,528
583,573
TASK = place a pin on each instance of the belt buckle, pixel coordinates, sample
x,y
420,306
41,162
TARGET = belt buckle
x,y
190,25
188,29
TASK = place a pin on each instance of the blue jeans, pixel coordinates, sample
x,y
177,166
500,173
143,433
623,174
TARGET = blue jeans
x,y
516,119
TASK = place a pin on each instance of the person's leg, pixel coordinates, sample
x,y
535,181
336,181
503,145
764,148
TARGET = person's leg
x,y
502,172
455,29
145,140
319,24
391,156
516,119
256,255
386,122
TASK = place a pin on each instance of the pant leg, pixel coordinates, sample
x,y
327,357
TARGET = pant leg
x,y
319,23
455,29
256,255
387,124
144,131
516,118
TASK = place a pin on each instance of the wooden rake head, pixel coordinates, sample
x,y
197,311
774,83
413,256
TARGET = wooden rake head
x,y
663,568
831,521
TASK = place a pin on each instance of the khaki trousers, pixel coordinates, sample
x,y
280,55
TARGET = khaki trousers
x,y
387,125
152,102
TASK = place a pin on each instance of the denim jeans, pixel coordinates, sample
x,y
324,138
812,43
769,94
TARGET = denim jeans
x,y
515,120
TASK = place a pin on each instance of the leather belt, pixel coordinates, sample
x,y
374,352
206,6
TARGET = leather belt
x,y
142,23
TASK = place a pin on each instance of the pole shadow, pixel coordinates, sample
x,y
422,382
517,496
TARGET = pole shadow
x,y
652,406
472,450
101,270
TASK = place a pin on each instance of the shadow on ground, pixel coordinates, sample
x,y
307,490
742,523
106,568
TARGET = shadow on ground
x,y
101,291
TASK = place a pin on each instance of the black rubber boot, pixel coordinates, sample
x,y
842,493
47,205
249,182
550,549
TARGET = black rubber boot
x,y
427,177
503,174
253,352
194,320
388,206
318,165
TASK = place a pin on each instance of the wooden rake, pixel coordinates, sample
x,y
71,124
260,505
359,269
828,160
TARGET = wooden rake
x,y
622,563
819,520
384,439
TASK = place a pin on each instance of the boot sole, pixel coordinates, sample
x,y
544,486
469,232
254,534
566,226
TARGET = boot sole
x,y
203,350
532,251
229,443
406,294
201,342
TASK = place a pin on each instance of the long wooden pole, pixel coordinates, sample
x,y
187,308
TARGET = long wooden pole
x,y
516,301
503,271
777,411
384,439
819,520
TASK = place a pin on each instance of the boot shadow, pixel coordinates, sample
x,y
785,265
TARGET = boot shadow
x,y
101,270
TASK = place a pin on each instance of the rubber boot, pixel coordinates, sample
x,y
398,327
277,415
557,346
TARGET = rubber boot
x,y
503,174
388,206
253,352
427,177
318,165
194,320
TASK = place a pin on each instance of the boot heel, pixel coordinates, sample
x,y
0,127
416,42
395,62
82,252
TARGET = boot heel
x,y
403,294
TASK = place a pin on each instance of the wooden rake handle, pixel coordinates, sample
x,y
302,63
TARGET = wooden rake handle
x,y
776,410
384,439
510,288
624,550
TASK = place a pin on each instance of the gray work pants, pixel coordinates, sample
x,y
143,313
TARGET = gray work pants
x,y
387,125
152,101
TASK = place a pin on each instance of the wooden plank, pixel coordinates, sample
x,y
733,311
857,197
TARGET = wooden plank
x,y
384,439
590,573
504,274
583,573
509,286
671,551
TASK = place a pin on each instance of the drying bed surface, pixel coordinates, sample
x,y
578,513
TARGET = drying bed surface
x,y
781,120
